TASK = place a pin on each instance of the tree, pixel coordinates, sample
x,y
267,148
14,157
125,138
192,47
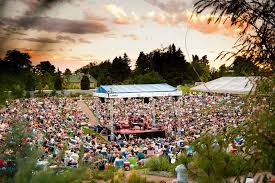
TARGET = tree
x,y
223,71
256,43
120,68
16,70
243,67
142,64
30,82
214,73
58,81
212,162
45,81
149,78
101,72
85,83
67,72
256,18
200,68
17,61
45,67
170,63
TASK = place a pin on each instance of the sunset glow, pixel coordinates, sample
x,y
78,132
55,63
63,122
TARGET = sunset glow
x,y
70,34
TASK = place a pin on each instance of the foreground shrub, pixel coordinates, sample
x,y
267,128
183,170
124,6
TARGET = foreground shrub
x,y
159,164
135,178
107,174
132,177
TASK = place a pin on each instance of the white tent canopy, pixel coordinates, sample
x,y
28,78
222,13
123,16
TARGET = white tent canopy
x,y
233,85
136,90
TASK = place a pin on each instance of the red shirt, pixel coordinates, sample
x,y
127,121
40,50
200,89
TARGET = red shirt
x,y
2,163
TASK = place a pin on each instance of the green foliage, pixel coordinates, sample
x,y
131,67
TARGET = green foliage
x,y
40,93
185,88
211,162
135,178
3,96
120,68
101,72
85,83
259,129
255,19
17,91
26,156
107,174
67,176
142,64
201,69
170,63
45,67
132,177
27,94
30,82
58,83
160,65
16,69
53,93
244,67
45,81
148,78
15,61
159,164
67,72
14,142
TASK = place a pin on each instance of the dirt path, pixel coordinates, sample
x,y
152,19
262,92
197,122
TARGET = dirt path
x,y
87,111
160,179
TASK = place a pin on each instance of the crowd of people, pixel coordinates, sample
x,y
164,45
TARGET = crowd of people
x,y
188,115
51,123
58,125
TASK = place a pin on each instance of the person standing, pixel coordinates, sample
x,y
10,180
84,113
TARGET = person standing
x,y
249,178
182,176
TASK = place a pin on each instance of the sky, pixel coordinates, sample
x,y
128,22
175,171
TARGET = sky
x,y
73,33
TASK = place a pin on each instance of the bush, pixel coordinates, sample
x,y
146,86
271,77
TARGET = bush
x,y
105,175
40,93
53,93
185,88
159,164
27,94
58,83
119,176
85,83
17,91
135,178
3,96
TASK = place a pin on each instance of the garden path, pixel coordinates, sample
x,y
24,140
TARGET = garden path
x,y
87,111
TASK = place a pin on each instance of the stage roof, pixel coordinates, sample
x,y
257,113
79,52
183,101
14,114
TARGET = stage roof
x,y
233,85
136,90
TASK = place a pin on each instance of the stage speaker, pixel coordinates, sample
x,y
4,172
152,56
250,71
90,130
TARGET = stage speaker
x,y
102,100
146,100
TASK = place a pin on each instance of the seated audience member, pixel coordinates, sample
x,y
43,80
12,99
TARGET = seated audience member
x,y
119,162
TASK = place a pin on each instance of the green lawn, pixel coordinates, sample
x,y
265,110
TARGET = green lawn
x,y
92,132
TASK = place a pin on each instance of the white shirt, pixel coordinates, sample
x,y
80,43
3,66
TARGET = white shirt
x,y
249,180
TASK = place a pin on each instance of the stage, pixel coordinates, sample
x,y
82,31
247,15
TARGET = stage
x,y
141,133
